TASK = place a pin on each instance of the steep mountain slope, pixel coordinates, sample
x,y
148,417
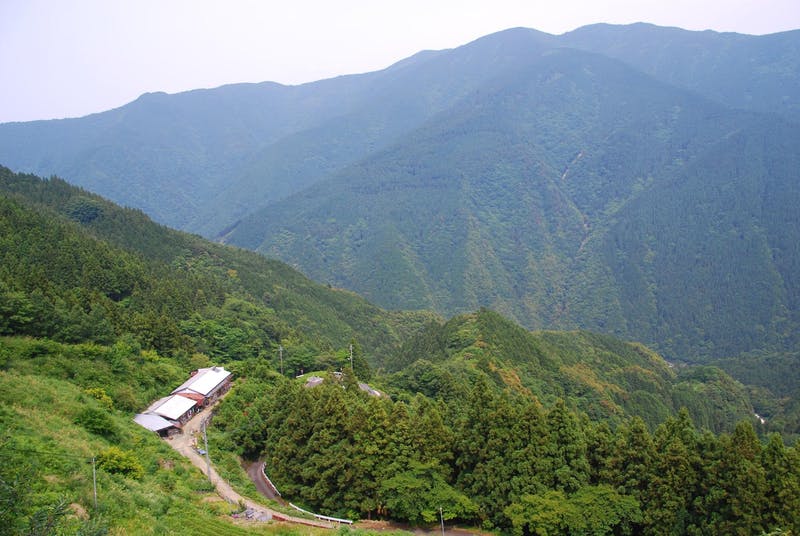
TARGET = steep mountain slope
x,y
716,247
202,159
77,269
101,311
169,154
531,195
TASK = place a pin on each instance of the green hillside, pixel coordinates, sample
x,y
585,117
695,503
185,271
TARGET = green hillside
x,y
76,267
773,384
603,179
101,312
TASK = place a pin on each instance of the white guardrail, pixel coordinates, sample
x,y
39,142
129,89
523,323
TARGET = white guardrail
x,y
318,516
269,481
324,518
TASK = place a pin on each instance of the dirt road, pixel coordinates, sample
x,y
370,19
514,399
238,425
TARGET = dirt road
x,y
185,445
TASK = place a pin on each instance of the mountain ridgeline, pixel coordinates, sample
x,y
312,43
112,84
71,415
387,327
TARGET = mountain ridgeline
x,y
632,180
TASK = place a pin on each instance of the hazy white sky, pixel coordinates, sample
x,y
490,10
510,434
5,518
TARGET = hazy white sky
x,y
71,58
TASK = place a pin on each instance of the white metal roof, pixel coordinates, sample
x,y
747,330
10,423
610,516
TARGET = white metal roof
x,y
154,423
152,407
172,407
205,381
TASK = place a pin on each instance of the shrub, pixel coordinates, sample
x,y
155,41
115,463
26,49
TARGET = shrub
x,y
99,394
118,461
98,421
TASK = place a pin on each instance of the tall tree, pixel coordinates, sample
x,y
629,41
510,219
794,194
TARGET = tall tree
x,y
630,466
565,450
741,480
674,478
782,493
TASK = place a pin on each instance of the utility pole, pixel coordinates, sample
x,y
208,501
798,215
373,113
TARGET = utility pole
x,y
351,357
94,482
441,517
208,460
280,352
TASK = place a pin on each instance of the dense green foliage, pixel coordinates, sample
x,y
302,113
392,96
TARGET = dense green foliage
x,y
551,199
498,458
71,278
102,312
603,377
773,380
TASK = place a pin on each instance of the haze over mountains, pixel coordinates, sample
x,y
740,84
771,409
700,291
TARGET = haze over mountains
x,y
633,180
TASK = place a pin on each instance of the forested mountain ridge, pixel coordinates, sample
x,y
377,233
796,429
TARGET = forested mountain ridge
x,y
560,204
758,74
552,178
603,377
77,268
175,155
202,159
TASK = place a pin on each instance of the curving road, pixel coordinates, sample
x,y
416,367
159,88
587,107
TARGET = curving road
x,y
185,443
255,471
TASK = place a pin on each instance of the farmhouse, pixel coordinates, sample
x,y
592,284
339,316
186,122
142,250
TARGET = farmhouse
x,y
167,415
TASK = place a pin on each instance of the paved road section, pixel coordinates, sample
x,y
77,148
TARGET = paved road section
x,y
256,473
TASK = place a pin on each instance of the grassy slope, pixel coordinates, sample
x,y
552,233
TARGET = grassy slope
x,y
47,445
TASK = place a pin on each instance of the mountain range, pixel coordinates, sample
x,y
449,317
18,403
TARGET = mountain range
x,y
632,180
103,311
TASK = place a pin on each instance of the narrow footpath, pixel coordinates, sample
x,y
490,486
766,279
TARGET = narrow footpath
x,y
184,444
